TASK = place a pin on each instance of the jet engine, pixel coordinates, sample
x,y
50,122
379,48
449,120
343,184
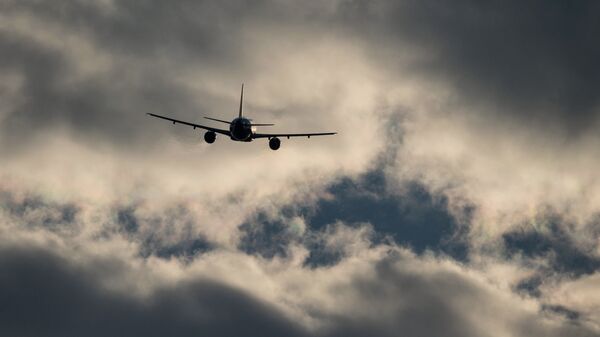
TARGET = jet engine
x,y
210,137
274,143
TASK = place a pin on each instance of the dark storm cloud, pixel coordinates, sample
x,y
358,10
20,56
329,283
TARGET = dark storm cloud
x,y
104,107
145,42
145,28
420,300
110,105
431,305
534,60
44,295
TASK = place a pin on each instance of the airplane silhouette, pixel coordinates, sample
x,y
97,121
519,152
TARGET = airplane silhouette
x,y
241,129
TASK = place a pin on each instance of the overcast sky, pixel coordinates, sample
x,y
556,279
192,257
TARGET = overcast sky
x,y
461,196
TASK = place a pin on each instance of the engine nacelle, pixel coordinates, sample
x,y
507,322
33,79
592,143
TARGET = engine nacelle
x,y
210,137
274,143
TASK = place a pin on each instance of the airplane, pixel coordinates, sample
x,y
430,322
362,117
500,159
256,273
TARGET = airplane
x,y
241,129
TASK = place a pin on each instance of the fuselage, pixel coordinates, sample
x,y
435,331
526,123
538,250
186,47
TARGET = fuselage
x,y
241,129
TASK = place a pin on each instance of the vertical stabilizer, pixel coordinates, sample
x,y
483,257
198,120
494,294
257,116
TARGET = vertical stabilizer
x,y
241,102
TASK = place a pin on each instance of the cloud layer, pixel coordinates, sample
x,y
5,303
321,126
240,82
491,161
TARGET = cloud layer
x,y
459,197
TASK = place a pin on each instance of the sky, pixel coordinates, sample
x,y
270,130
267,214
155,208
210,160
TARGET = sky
x,y
460,196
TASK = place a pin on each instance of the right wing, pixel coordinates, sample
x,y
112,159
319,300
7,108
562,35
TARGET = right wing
x,y
288,135
175,121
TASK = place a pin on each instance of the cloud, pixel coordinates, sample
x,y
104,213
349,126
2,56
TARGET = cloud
x,y
377,293
577,295
498,107
82,131
467,125
536,69
46,294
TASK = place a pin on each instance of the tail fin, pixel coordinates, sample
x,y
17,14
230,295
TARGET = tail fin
x,y
241,101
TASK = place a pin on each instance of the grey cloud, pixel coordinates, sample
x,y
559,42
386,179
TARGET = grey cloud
x,y
110,104
146,28
146,44
95,109
419,300
530,61
443,302
44,295
534,60
506,113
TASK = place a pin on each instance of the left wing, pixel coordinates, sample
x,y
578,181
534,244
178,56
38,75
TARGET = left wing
x,y
175,121
288,135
